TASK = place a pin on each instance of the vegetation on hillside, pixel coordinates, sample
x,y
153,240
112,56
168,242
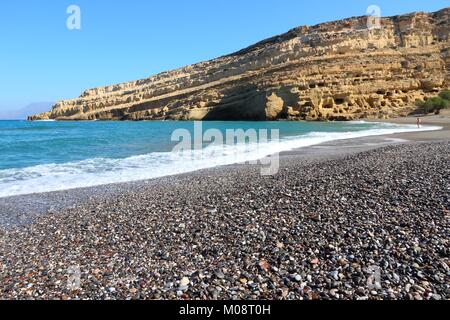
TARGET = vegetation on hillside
x,y
435,104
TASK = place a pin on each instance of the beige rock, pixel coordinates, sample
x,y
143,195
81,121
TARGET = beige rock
x,y
274,106
332,71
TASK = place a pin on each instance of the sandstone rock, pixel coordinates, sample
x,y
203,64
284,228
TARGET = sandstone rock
x,y
274,106
333,71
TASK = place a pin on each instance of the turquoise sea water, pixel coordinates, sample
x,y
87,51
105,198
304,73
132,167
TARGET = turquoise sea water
x,y
49,156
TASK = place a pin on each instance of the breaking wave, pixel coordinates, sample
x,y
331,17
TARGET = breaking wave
x,y
100,171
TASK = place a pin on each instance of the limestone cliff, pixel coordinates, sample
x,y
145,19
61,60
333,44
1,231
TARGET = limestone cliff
x,y
333,71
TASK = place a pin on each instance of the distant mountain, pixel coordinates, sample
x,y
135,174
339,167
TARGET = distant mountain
x,y
22,114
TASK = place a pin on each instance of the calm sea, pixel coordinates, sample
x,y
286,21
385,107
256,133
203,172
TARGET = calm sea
x,y
50,156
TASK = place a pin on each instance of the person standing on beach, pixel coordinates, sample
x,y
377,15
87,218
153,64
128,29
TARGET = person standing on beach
x,y
419,123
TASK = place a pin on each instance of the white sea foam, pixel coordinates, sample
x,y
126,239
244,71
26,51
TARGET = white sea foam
x,y
100,171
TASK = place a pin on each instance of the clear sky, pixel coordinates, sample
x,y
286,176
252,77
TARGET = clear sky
x,y
42,60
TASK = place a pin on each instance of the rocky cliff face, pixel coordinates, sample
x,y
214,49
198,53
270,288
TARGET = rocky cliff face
x,y
333,71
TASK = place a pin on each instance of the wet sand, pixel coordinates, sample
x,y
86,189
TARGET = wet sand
x,y
435,120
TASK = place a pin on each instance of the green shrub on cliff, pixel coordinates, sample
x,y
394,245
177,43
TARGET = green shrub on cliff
x,y
434,104
445,95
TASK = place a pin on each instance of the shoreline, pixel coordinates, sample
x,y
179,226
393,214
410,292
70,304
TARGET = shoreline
x,y
20,210
438,135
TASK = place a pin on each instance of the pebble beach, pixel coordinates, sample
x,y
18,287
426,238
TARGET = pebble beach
x,y
325,227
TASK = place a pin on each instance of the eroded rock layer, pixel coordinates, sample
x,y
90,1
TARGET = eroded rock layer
x,y
339,70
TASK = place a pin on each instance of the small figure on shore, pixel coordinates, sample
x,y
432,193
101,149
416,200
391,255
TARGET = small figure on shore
x,y
419,122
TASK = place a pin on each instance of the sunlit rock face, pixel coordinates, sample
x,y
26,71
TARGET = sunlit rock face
x,y
339,70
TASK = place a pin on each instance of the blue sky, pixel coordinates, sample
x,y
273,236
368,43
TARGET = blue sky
x,y
41,60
